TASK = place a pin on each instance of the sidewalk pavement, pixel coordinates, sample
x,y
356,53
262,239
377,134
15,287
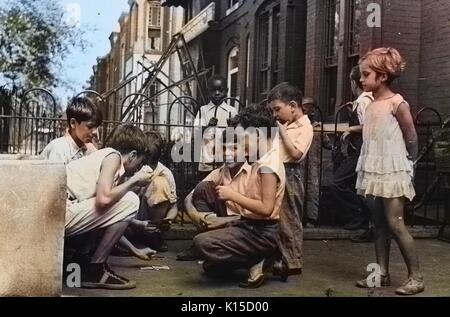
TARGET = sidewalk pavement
x,y
331,269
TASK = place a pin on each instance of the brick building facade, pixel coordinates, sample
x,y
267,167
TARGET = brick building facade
x,y
144,33
315,43
255,44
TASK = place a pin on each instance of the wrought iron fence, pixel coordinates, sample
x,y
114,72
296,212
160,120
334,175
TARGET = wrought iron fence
x,y
29,129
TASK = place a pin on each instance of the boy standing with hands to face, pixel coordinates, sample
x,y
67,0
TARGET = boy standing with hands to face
x,y
293,141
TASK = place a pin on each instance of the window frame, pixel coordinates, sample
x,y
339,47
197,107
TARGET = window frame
x,y
233,71
232,7
153,26
341,40
266,48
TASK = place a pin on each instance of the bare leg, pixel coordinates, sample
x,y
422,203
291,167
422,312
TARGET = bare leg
x,y
394,209
163,211
158,212
111,236
138,224
89,241
382,234
143,254
172,212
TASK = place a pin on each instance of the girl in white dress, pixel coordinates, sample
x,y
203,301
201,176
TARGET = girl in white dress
x,y
385,168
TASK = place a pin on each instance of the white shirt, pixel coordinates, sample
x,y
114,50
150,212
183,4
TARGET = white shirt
x,y
223,113
83,174
361,104
65,150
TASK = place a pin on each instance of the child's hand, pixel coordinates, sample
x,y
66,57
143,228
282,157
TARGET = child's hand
x,y
413,168
224,192
345,135
213,122
143,177
349,105
282,127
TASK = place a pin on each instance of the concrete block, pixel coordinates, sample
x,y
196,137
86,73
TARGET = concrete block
x,y
32,214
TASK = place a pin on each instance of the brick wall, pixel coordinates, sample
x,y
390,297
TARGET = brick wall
x,y
419,29
401,21
434,84
234,30
293,25
314,39
401,29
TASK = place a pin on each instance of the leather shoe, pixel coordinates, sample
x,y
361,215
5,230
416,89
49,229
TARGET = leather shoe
x,y
253,283
280,269
411,287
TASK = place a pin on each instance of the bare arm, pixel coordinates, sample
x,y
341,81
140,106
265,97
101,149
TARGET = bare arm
x,y
206,221
406,123
263,207
107,193
196,216
213,222
358,129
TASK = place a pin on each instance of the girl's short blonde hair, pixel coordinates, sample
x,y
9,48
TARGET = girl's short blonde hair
x,y
385,60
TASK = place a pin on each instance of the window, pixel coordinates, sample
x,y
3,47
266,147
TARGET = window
x,y
332,20
154,14
247,69
136,21
275,46
233,70
263,49
188,12
354,44
127,34
154,26
232,6
355,27
268,47
148,109
343,23
154,40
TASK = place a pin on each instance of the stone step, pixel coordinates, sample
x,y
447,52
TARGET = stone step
x,y
188,231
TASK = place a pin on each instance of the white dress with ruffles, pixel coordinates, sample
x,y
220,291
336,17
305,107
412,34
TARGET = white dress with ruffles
x,y
384,169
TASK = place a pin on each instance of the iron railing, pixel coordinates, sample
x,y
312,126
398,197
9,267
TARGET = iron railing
x,y
31,126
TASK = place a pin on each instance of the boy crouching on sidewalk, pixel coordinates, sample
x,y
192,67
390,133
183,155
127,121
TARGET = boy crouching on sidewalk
x,y
95,201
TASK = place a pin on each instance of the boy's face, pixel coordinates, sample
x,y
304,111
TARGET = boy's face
x,y
282,111
308,109
83,132
217,91
133,164
355,87
256,143
233,153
